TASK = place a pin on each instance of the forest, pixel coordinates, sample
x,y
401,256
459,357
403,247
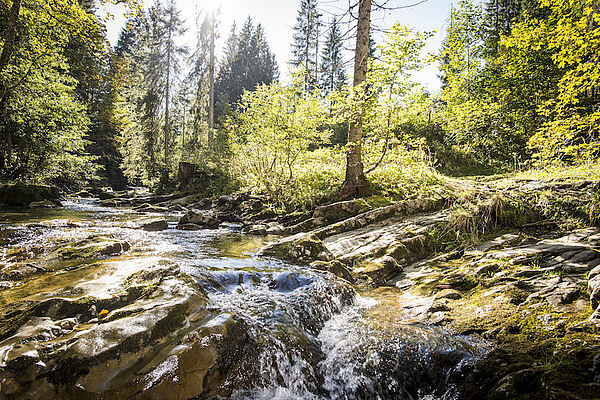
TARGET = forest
x,y
520,91
184,214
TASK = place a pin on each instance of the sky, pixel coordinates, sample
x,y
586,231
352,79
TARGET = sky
x,y
278,18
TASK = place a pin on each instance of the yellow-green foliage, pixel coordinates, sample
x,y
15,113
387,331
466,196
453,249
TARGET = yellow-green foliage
x,y
588,170
270,141
405,174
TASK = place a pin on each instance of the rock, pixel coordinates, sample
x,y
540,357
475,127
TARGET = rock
x,y
594,291
564,293
487,269
517,384
381,270
22,194
439,305
206,219
146,207
228,217
335,267
45,204
9,386
20,271
83,193
594,272
93,247
177,208
105,195
110,203
230,202
448,294
339,211
155,225
276,229
256,229
302,248
188,227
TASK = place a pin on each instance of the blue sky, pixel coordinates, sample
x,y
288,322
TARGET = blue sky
x,y
279,16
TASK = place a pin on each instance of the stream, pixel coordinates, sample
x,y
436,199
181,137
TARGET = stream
x,y
94,307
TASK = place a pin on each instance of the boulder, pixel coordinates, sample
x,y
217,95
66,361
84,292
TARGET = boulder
x,y
301,248
275,229
335,267
188,227
206,219
146,207
93,247
45,204
155,225
338,211
380,270
22,194
256,229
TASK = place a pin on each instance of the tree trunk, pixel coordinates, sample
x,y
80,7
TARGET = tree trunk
x,y
355,183
11,31
5,56
167,91
211,105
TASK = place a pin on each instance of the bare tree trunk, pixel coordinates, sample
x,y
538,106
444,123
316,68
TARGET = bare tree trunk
x,y
355,183
211,105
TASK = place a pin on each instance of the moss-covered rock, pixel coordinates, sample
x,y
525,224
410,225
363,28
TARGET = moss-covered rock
x,y
22,194
300,248
93,248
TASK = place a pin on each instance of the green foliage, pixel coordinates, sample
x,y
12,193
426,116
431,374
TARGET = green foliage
x,y
145,109
44,120
248,62
271,136
333,75
571,132
305,45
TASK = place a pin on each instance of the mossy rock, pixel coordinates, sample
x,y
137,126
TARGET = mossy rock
x,y
301,248
22,194
93,247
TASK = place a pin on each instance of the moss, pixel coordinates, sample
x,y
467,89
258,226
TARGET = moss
x,y
92,248
375,201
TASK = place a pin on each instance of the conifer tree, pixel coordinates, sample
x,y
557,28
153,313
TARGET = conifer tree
x,y
333,76
306,42
248,62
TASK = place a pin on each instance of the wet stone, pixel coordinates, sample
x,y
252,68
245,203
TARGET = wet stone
x,y
448,294
155,225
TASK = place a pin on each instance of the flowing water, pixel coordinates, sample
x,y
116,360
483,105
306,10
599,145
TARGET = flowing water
x,y
253,328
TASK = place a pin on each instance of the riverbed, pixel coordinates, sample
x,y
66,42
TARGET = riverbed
x,y
94,307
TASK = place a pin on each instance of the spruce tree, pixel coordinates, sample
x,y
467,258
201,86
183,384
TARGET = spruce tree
x,y
248,62
333,76
305,44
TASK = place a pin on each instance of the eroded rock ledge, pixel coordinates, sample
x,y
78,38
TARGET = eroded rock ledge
x,y
517,263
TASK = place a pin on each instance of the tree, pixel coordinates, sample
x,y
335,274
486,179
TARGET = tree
x,y
305,45
172,25
571,132
275,126
211,79
333,76
248,62
42,120
355,182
